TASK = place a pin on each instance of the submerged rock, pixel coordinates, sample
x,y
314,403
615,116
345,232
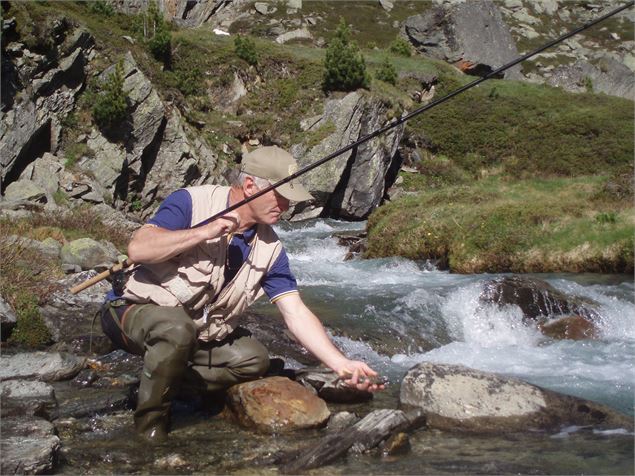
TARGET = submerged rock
x,y
454,397
558,315
276,404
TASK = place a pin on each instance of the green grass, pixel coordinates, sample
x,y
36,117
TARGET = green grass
x,y
529,130
492,225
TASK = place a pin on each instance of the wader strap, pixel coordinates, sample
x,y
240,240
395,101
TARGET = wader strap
x,y
92,331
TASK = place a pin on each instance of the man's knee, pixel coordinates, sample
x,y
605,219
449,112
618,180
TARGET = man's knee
x,y
181,334
255,360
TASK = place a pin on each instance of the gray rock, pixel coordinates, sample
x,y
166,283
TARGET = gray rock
x,y
458,398
262,8
26,397
8,319
608,76
299,34
43,366
344,121
29,446
341,421
387,4
88,253
471,34
49,248
25,190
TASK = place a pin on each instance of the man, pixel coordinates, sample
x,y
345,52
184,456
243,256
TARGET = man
x,y
179,308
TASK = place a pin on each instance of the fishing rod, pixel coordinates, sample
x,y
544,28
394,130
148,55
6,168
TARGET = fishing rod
x,y
396,122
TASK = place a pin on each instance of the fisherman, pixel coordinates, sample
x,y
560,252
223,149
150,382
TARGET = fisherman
x,y
180,308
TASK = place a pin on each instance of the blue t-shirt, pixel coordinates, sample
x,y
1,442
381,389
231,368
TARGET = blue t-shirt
x,y
175,213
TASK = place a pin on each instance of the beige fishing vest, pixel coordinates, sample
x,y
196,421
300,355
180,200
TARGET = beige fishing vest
x,y
194,279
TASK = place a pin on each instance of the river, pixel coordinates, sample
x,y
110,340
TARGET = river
x,y
394,313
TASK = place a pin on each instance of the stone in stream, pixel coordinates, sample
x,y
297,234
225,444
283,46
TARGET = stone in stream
x,y
26,397
276,404
45,366
557,315
28,445
455,397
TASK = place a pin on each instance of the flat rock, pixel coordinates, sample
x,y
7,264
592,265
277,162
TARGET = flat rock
x,y
454,397
29,446
44,366
26,397
276,404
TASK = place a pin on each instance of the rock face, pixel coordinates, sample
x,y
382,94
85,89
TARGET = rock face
x,y
8,319
458,398
43,92
609,77
276,404
157,158
353,184
471,35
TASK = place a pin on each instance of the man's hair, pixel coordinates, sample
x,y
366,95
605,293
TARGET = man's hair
x,y
240,177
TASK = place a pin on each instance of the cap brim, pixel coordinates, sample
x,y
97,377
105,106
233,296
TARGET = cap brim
x,y
294,191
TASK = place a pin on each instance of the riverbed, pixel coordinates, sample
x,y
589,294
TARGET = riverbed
x,y
394,313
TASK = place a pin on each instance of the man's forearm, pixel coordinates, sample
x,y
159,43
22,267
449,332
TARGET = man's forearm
x,y
152,244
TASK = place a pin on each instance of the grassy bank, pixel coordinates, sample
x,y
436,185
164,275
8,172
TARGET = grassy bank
x,y
536,225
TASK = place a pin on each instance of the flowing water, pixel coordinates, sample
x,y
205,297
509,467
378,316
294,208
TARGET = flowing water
x,y
395,313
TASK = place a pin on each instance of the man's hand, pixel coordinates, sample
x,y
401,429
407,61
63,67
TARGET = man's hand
x,y
358,375
228,223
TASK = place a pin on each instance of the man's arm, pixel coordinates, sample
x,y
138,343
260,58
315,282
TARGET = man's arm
x,y
308,329
153,244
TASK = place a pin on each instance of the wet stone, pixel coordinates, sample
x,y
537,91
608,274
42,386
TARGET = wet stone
x,y
276,404
24,397
29,445
45,366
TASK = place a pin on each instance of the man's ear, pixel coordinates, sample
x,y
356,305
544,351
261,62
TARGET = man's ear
x,y
249,186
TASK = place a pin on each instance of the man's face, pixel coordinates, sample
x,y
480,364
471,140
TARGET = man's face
x,y
267,208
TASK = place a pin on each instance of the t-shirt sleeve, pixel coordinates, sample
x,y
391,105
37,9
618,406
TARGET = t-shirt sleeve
x,y
175,213
279,280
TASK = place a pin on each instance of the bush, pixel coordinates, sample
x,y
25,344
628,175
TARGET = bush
x,y
246,50
344,65
387,72
157,34
100,7
401,47
111,103
30,329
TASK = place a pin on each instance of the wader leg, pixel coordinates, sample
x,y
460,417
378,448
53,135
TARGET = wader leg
x,y
237,358
168,337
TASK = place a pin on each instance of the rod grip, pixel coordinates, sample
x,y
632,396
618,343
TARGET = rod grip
x,y
101,276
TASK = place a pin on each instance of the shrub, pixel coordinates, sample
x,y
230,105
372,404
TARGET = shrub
x,y
401,47
345,68
387,72
30,329
100,7
111,104
246,50
157,34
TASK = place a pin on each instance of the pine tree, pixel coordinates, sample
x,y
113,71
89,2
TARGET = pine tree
x,y
111,104
345,68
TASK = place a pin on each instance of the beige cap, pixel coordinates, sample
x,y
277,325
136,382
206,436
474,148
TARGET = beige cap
x,y
274,164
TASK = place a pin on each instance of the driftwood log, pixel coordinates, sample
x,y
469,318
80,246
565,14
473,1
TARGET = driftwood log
x,y
363,436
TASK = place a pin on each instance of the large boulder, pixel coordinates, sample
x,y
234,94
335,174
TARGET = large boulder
x,y
459,398
608,76
276,404
537,299
471,35
352,185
